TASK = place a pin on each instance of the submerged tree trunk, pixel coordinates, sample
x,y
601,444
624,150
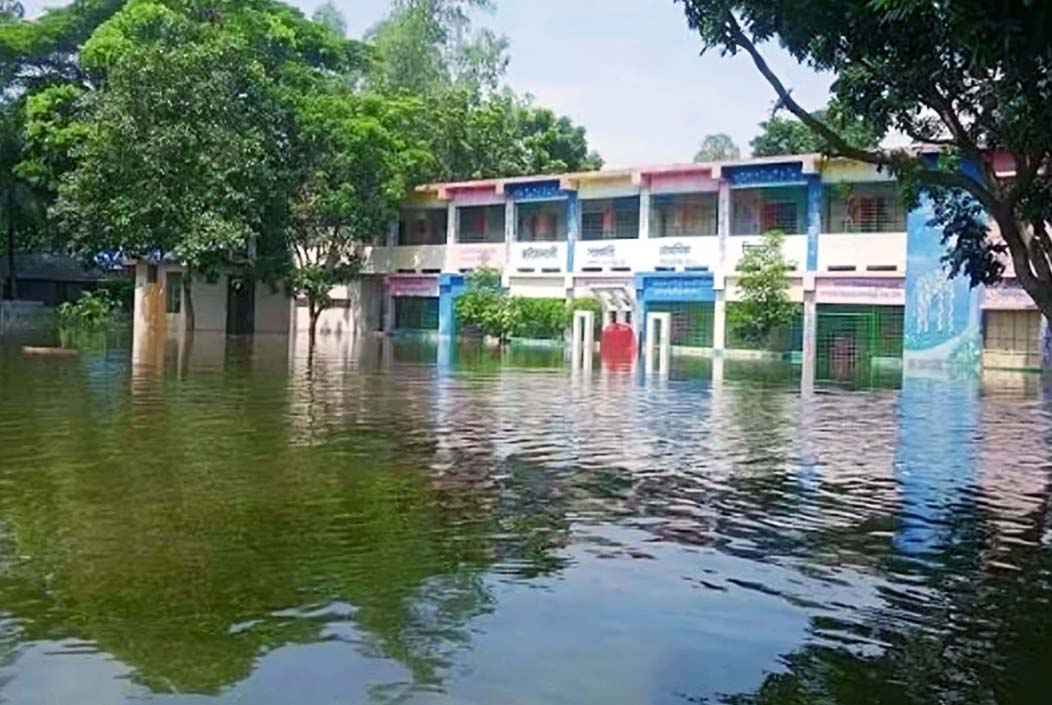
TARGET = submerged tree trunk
x,y
12,276
315,313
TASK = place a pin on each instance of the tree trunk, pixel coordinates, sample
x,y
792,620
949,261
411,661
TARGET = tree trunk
x,y
315,314
12,277
1025,262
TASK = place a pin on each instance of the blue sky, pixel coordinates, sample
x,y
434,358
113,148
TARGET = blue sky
x,y
627,70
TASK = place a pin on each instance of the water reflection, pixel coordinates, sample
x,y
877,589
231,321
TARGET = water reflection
x,y
394,521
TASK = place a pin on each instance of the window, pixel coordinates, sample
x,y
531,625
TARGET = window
x,y
541,222
416,313
151,274
422,226
610,219
1012,331
173,292
683,215
758,210
480,224
863,208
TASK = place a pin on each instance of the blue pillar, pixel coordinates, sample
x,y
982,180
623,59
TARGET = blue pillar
x,y
571,229
814,220
450,286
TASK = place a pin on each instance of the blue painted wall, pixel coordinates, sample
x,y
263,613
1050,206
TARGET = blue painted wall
x,y
814,220
450,286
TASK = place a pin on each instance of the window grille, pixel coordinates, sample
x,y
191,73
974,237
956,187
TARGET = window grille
x,y
692,322
1011,331
541,222
423,226
480,224
683,215
755,211
863,208
610,219
416,313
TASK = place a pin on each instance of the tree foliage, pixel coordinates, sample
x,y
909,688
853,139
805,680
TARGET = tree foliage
x,y
718,147
967,80
476,128
764,305
330,16
788,135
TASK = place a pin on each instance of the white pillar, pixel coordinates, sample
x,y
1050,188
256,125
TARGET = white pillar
x,y
656,321
509,238
807,373
583,342
644,213
451,236
723,220
719,322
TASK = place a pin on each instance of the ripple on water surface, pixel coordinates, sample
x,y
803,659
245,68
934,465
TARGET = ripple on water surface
x,y
242,524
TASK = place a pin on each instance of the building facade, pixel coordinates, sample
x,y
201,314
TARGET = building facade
x,y
866,275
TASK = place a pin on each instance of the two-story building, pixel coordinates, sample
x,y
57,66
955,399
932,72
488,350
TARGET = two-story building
x,y
866,274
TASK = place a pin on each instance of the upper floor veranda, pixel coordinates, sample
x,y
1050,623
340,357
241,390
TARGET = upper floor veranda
x,y
837,216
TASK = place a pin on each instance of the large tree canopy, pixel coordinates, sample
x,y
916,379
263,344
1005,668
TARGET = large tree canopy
x,y
963,78
717,148
788,135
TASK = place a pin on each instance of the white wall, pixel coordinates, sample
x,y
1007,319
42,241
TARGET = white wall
x,y
273,309
209,305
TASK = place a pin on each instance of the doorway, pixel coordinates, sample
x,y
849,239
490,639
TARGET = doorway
x,y
240,305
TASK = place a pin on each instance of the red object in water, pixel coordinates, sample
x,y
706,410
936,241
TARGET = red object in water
x,y
617,347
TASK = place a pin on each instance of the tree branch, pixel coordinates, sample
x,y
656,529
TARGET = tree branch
x,y
841,147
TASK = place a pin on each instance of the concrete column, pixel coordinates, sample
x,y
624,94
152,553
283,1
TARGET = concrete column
x,y
814,220
723,220
810,352
719,322
389,311
509,238
392,234
658,322
583,341
644,213
451,236
1044,338
573,228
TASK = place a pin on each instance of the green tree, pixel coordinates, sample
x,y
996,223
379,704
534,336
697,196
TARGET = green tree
x,y
330,16
964,79
718,147
484,306
476,129
763,289
791,136
350,169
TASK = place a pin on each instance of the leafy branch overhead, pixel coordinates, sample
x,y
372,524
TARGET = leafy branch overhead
x,y
965,79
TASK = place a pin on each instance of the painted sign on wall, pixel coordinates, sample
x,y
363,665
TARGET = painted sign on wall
x,y
668,286
860,290
411,285
942,314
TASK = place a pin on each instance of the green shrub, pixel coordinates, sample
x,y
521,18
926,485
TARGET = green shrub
x,y
121,290
94,310
537,318
587,303
483,308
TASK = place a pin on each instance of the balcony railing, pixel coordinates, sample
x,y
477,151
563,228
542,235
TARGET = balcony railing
x,y
755,211
544,221
422,226
480,224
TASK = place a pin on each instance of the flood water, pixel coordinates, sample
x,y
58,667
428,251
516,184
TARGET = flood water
x,y
399,524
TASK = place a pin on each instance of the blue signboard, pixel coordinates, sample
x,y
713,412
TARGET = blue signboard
x,y
675,286
791,173
549,190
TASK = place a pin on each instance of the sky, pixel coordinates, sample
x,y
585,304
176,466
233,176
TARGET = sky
x,y
629,71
